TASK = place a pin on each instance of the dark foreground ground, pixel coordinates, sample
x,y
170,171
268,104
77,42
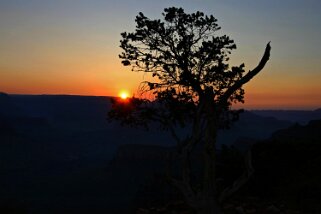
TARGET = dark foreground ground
x,y
58,154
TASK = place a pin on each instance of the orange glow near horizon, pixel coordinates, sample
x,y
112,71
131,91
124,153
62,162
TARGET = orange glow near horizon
x,y
72,49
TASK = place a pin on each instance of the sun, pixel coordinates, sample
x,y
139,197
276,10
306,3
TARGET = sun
x,y
123,95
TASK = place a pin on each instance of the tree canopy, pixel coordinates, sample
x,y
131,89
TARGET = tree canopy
x,y
189,61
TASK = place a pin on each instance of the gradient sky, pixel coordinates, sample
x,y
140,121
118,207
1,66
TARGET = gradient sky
x,y
72,46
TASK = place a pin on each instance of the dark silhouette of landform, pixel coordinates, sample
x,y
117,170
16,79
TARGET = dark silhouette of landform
x,y
59,154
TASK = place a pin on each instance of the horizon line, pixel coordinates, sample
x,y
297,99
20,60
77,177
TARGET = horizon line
x,y
245,108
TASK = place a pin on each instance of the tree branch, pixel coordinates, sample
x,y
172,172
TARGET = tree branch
x,y
227,192
248,76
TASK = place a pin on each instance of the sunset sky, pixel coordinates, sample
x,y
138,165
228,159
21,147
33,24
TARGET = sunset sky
x,y
72,46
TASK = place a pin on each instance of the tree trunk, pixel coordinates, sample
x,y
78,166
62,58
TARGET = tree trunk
x,y
208,201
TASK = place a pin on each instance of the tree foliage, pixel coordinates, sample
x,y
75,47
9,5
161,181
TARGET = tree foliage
x,y
193,84
183,52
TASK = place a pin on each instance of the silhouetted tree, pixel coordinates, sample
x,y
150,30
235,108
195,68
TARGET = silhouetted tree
x,y
193,86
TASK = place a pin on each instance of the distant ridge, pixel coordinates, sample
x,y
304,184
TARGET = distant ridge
x,y
57,95
300,133
7,107
299,116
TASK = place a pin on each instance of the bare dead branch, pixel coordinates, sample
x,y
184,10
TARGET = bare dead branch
x,y
248,76
249,170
